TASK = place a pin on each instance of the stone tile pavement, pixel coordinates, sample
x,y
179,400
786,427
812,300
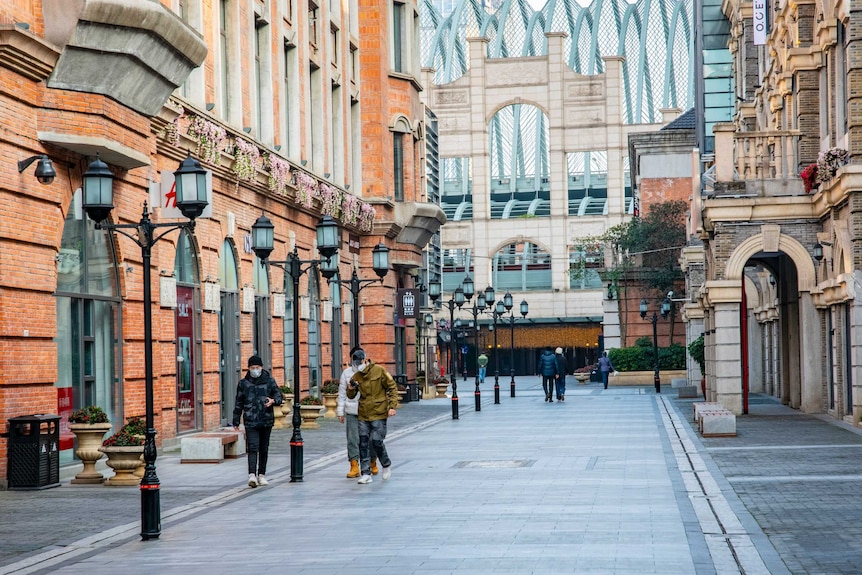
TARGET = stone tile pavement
x,y
612,481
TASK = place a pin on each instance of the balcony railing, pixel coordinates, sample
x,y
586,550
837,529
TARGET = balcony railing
x,y
750,156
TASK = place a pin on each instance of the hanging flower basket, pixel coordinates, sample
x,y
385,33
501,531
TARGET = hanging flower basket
x,y
306,188
209,137
330,200
366,217
279,174
246,157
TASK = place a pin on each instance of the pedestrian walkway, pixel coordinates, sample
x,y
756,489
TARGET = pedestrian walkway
x,y
610,481
599,484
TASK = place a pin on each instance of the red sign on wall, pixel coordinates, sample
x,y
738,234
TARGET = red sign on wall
x,y
64,410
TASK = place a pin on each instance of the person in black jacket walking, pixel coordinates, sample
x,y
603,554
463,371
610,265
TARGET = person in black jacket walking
x,y
256,393
562,369
548,369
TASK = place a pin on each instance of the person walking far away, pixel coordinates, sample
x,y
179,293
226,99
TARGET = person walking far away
x,y
482,360
562,369
256,393
378,396
347,411
605,367
548,369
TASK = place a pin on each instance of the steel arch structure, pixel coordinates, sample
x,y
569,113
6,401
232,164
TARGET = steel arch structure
x,y
654,37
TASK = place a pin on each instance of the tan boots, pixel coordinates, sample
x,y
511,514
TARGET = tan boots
x,y
374,466
354,469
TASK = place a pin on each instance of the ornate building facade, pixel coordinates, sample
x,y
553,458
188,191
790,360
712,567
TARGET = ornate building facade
x,y
267,96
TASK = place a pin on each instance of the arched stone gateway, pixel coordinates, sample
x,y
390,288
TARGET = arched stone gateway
x,y
760,320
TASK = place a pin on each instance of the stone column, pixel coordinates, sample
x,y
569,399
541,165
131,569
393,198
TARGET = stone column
x,y
725,297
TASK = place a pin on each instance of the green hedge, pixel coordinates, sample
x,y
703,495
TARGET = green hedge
x,y
640,357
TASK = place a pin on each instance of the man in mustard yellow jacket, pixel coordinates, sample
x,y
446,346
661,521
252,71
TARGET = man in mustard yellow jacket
x,y
378,396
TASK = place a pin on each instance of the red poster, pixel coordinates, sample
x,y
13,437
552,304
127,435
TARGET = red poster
x,y
64,409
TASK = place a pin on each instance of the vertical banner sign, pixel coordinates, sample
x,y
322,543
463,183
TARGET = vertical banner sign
x,y
407,303
759,20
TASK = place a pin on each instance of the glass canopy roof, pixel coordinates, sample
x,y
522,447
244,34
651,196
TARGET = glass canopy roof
x,y
654,36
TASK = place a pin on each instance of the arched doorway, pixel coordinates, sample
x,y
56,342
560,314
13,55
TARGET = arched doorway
x,y
89,359
188,341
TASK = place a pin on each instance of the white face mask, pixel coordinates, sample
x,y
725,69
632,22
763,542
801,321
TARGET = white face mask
x,y
255,372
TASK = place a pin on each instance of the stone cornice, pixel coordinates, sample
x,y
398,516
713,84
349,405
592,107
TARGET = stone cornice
x,y
760,209
26,54
721,291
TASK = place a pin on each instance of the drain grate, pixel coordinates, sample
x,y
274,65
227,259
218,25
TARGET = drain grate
x,y
495,464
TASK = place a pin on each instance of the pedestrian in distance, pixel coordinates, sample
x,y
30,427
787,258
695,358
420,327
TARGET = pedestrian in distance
x,y
562,369
482,360
256,394
605,368
548,369
378,396
347,411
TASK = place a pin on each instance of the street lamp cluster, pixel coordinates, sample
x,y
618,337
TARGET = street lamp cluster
x,y
191,194
461,294
485,303
328,240
380,265
665,311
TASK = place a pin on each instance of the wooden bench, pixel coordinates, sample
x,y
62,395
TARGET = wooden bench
x,y
212,447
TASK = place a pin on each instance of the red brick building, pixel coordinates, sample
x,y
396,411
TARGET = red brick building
x,y
267,95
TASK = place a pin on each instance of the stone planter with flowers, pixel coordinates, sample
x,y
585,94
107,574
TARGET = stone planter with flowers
x,y
309,409
89,424
330,397
125,451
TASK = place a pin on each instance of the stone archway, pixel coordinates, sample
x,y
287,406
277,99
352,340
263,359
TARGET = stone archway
x,y
800,338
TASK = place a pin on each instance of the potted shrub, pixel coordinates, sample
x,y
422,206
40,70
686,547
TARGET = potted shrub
x,y
89,424
440,385
124,450
330,396
695,350
582,374
309,409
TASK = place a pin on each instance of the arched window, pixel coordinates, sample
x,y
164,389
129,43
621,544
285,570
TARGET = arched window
x,y
520,162
88,322
230,344
314,343
522,266
262,344
187,323
289,350
584,262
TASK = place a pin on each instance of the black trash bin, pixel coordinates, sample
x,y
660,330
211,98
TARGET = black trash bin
x,y
400,380
34,452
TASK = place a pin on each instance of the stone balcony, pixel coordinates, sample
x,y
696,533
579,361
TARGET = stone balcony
x,y
755,164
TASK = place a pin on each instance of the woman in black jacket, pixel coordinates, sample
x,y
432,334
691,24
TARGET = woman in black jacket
x,y
562,369
256,393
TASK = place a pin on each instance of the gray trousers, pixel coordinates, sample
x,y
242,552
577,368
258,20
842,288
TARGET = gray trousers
x,y
371,436
351,424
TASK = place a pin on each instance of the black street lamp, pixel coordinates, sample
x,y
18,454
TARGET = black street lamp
x,y
478,307
380,265
191,194
461,294
328,240
497,312
525,309
665,310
